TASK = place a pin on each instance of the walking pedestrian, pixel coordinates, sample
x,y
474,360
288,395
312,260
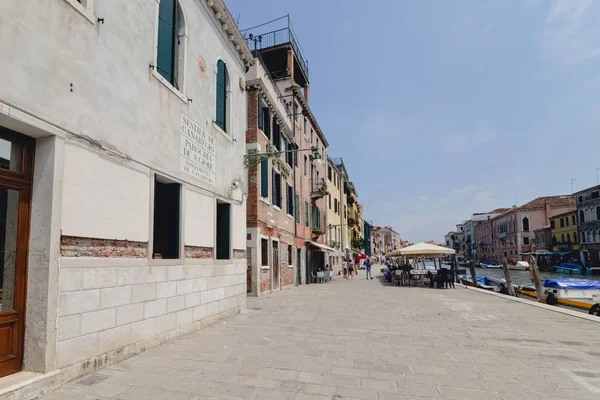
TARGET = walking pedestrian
x,y
368,269
345,268
351,270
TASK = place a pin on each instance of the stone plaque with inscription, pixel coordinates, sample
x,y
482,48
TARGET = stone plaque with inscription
x,y
197,151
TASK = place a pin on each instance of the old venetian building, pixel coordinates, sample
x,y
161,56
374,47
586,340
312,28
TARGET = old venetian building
x,y
122,184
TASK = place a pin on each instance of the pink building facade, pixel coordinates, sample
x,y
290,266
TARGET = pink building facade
x,y
513,231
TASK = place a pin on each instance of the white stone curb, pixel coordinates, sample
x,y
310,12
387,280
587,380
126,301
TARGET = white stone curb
x,y
572,313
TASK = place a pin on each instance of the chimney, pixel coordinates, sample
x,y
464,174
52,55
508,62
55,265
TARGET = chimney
x,y
548,211
306,93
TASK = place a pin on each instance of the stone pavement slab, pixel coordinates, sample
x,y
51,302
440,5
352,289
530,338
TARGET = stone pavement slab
x,y
367,340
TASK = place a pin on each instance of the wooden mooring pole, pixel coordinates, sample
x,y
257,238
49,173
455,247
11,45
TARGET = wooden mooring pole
x,y
473,274
511,288
535,275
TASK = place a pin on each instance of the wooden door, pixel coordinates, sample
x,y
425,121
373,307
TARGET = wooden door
x,y
16,168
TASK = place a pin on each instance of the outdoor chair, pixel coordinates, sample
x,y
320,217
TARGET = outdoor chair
x,y
397,277
320,276
315,279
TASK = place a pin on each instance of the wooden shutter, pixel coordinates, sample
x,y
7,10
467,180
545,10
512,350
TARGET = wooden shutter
x,y
221,95
297,208
273,188
260,114
267,122
264,178
290,200
306,213
165,60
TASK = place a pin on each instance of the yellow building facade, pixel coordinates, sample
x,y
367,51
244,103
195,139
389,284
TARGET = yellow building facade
x,y
564,232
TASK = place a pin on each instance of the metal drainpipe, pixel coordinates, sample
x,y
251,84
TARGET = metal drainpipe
x,y
295,221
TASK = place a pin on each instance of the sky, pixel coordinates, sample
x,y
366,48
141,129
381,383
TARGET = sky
x,y
441,109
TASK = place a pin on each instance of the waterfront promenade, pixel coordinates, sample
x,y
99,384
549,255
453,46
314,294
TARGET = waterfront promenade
x,y
366,340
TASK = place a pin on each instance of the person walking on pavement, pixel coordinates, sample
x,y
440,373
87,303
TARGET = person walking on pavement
x,y
350,270
368,268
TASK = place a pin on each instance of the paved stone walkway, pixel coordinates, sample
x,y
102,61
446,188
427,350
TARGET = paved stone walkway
x,y
366,340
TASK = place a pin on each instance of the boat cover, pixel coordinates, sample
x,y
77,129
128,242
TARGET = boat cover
x,y
482,280
570,266
572,283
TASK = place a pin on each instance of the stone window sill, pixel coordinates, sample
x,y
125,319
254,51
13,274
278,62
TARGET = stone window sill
x,y
266,201
172,88
87,12
221,131
265,268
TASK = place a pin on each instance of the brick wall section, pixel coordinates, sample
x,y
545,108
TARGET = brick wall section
x,y
239,254
287,276
198,252
71,246
265,280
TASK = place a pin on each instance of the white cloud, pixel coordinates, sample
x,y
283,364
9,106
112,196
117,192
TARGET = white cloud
x,y
457,143
571,34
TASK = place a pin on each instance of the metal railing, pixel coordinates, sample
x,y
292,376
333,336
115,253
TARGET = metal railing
x,y
277,38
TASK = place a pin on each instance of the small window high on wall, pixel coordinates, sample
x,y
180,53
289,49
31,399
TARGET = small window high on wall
x,y
223,231
166,219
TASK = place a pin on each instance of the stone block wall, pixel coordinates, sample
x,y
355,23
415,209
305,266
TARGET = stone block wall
x,y
107,304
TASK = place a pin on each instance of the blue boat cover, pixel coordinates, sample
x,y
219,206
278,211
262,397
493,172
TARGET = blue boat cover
x,y
570,266
572,283
483,280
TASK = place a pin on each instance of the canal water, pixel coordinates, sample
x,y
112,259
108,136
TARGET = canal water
x,y
518,277
524,277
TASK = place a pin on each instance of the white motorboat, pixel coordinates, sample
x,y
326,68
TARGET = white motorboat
x,y
490,264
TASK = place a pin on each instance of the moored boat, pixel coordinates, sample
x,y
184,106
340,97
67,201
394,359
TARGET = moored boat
x,y
572,292
572,269
490,264
520,266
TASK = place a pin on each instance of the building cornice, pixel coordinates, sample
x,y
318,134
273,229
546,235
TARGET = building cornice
x,y
231,30
296,89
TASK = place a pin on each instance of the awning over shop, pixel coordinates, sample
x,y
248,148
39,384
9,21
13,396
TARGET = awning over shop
x,y
323,247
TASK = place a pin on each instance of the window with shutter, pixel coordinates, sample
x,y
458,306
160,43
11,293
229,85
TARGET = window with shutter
x,y
220,118
277,136
264,178
165,61
306,213
297,208
260,114
267,122
290,200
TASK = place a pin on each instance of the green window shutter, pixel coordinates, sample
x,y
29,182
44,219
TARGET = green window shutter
x,y
315,216
277,137
267,122
221,95
264,178
273,188
297,206
165,59
260,114
306,213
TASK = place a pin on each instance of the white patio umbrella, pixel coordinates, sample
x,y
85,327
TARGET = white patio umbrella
x,y
421,250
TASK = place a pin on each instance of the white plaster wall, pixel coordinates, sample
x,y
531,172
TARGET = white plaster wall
x,y
103,198
199,217
238,226
114,98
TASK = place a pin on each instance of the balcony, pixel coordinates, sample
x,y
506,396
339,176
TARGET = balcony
x,y
273,47
319,189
